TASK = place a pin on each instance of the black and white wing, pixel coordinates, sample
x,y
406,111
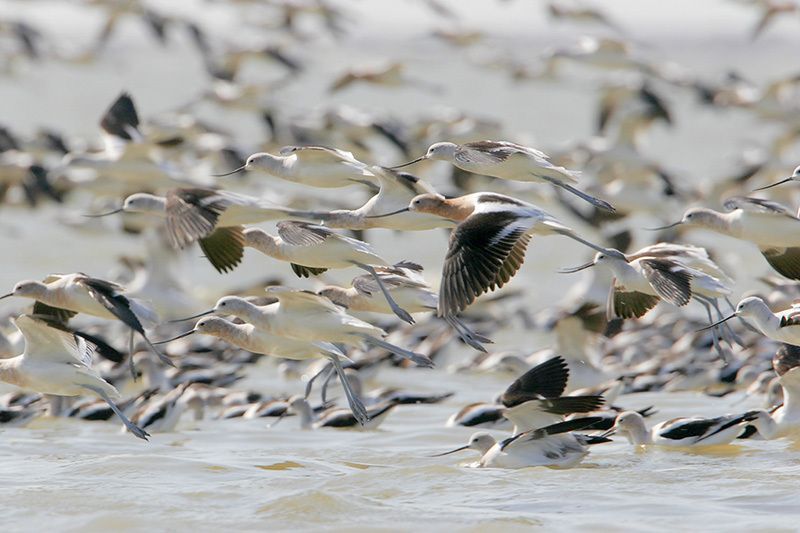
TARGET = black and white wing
x,y
545,380
484,252
192,213
303,233
671,280
748,203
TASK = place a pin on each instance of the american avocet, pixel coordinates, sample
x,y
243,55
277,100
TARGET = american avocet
x,y
683,432
535,399
257,340
582,14
127,160
487,248
65,295
388,75
224,63
641,281
575,336
211,217
317,166
406,287
637,93
162,414
386,209
783,326
312,249
532,400
510,161
553,446
255,409
156,281
338,418
601,52
769,225
480,415
305,316
58,362
785,418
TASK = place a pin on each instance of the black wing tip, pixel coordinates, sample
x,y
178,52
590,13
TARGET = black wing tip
x,y
545,380
574,404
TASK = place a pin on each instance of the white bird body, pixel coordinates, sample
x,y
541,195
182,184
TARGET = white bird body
x,y
328,251
316,166
305,319
761,228
553,446
67,291
306,316
396,190
761,222
258,340
682,432
505,160
555,451
631,275
60,378
787,416
58,362
780,326
414,299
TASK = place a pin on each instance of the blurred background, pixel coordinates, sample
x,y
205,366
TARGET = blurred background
x,y
662,105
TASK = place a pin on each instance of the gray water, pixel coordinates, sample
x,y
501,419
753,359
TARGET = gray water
x,y
61,474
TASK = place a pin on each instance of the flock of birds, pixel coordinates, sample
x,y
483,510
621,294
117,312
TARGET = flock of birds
x,y
170,181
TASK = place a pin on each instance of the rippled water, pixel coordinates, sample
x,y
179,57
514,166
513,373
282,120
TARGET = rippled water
x,y
68,475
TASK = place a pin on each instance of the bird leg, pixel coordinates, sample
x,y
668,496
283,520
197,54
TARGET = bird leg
x,y
399,311
467,335
716,330
356,406
164,359
732,336
130,355
601,204
418,358
133,428
326,369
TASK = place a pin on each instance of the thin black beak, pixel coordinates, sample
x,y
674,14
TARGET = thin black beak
x,y
182,335
243,167
576,269
718,322
204,313
608,433
389,214
114,212
785,180
281,417
678,223
417,160
7,295
451,451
